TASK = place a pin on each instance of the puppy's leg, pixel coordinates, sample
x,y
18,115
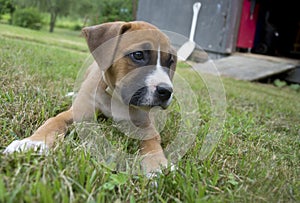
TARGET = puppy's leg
x,y
46,135
55,128
153,155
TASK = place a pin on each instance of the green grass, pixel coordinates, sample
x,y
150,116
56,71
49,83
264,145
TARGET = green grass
x,y
61,37
257,159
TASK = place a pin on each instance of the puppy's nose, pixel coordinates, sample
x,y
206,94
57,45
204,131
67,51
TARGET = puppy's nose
x,y
164,91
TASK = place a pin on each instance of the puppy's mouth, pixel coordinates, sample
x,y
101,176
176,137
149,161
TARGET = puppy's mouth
x,y
148,97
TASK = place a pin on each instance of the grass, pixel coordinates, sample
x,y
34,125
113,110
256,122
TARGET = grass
x,y
256,160
61,37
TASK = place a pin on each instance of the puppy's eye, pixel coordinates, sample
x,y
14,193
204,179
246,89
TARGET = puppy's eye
x,y
171,62
137,56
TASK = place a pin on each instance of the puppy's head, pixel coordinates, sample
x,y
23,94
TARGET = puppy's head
x,y
137,61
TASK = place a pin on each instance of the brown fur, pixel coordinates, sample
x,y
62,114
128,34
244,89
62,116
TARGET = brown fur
x,y
54,128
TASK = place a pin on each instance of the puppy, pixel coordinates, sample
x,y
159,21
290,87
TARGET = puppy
x,y
132,73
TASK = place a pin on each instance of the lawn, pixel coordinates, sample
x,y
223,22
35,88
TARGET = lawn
x,y
256,160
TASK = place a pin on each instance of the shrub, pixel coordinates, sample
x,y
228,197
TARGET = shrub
x,y
29,18
77,27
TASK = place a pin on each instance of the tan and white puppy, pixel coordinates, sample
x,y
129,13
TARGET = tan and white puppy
x,y
132,73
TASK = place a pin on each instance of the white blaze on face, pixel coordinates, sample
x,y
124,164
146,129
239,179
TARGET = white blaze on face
x,y
158,76
158,64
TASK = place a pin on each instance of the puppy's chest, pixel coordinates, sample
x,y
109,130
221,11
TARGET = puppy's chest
x,y
111,106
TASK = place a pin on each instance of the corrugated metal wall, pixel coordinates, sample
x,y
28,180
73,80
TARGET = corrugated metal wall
x,y
217,26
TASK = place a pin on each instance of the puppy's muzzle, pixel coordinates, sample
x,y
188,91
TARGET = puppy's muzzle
x,y
161,96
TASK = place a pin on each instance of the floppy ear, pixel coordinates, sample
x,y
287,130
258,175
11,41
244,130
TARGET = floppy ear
x,y
102,40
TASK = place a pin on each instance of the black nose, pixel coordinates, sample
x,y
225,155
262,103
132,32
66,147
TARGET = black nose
x,y
164,91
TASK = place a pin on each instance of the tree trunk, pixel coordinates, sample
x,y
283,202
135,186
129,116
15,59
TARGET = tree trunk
x,y
134,9
53,15
11,20
86,18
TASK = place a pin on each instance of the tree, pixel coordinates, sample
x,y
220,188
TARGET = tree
x,y
54,7
91,11
134,8
7,6
99,11
84,9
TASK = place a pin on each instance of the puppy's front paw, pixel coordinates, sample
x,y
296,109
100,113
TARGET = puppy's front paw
x,y
166,170
25,145
153,163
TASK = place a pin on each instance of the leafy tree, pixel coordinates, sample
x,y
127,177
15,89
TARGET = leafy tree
x,y
100,11
54,7
84,9
29,18
7,6
113,10
92,11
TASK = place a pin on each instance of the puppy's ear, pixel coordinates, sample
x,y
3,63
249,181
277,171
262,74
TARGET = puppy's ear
x,y
99,34
102,40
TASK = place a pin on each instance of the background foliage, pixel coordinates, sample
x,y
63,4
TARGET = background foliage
x,y
78,13
29,18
